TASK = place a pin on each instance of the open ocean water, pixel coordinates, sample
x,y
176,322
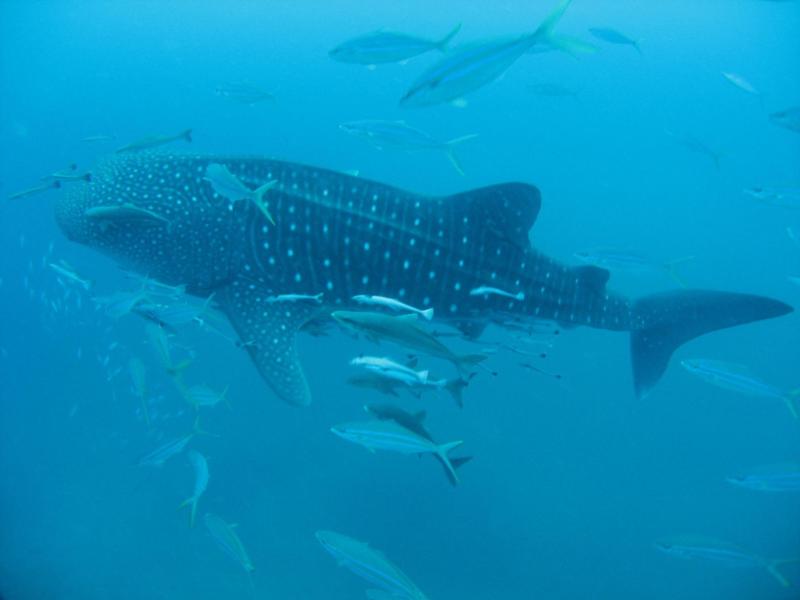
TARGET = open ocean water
x,y
576,488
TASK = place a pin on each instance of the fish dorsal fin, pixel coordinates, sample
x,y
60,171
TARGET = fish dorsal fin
x,y
593,277
267,331
507,210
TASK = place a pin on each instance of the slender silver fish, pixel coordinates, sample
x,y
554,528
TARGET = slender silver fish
x,y
468,68
612,36
225,536
200,466
486,290
383,47
739,378
693,547
153,141
393,304
389,435
227,185
371,565
70,274
788,119
783,477
35,190
785,197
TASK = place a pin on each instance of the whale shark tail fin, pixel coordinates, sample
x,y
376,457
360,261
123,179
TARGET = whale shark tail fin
x,y
670,319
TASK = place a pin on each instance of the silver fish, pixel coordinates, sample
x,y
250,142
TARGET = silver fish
x,y
371,565
393,304
788,197
738,378
468,68
35,190
383,47
200,466
313,298
124,213
225,536
485,290
154,141
770,478
71,275
612,36
788,119
388,435
244,93
227,185
401,136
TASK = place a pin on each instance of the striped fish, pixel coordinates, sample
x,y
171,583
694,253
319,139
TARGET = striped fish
x,y
723,553
369,564
389,435
738,378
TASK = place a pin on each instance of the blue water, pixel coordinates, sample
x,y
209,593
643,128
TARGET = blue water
x,y
572,479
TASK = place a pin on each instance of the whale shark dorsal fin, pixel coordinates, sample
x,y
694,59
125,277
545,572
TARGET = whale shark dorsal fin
x,y
507,210
267,331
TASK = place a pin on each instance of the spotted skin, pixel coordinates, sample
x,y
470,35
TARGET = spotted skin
x,y
339,235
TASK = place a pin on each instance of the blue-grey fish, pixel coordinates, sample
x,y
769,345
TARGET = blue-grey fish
x,y
163,453
403,330
612,36
623,260
693,144
98,138
120,304
35,190
227,185
244,93
783,197
399,135
693,547
783,477
468,68
387,47
311,298
738,378
393,304
741,83
369,564
138,375
69,273
225,536
788,119
389,435
414,422
200,466
153,141
203,395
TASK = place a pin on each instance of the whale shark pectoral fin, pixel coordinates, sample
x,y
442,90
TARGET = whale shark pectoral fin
x,y
268,331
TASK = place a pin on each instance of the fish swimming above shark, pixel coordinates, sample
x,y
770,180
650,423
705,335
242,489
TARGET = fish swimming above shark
x,y
350,236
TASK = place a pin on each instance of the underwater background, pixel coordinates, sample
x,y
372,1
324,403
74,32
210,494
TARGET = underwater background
x,y
573,479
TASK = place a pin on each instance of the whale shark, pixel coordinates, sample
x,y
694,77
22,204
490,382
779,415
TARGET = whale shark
x,y
344,236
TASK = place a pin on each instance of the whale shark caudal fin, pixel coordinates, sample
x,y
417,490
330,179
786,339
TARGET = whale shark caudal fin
x,y
267,331
673,318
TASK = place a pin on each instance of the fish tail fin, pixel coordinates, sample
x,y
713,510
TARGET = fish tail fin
x,y
455,387
187,135
671,268
456,463
667,320
792,400
191,502
546,27
571,45
442,43
441,453
773,566
427,314
259,198
449,148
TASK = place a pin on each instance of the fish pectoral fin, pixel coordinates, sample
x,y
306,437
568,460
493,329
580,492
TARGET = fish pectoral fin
x,y
272,328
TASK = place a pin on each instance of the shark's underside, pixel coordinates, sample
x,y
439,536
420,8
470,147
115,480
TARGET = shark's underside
x,y
344,236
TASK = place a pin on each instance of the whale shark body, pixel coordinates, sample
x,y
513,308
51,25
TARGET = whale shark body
x,y
344,236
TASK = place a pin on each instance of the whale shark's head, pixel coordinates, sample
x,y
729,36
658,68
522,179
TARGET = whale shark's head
x,y
155,213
